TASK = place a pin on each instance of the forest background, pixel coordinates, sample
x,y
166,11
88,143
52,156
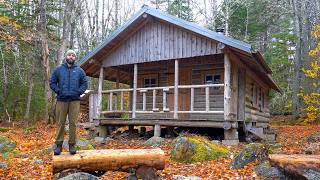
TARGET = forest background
x,y
34,35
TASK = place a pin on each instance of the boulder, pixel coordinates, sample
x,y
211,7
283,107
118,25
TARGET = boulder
x,y
6,145
79,176
250,153
314,138
3,165
81,144
191,148
37,161
155,141
268,172
313,148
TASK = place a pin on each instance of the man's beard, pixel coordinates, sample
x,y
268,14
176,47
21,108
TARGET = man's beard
x,y
70,62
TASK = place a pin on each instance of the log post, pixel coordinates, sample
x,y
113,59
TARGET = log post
x,y
134,96
100,86
117,87
157,130
102,131
227,87
230,135
176,90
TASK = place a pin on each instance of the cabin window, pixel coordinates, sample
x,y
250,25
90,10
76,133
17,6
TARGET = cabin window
x,y
213,79
149,82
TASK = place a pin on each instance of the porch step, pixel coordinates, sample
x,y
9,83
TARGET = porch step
x,y
267,134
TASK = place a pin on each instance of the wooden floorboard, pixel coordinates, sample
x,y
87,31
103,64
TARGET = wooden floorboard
x,y
164,122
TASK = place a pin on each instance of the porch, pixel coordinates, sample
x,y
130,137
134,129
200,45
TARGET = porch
x,y
183,94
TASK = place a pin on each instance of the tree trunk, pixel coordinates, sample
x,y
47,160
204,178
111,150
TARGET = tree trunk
x,y
45,56
109,159
296,100
5,85
30,91
66,28
226,18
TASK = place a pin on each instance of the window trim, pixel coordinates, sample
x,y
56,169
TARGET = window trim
x,y
150,85
213,75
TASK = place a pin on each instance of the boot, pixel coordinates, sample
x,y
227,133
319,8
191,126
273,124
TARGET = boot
x,y
72,149
58,149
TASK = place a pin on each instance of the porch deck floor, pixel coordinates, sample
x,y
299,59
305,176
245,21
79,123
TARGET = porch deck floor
x,y
164,122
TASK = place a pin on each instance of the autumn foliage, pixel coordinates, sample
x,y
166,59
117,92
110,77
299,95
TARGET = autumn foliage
x,y
312,99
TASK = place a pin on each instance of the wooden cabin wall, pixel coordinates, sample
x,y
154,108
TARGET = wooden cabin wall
x,y
256,103
160,41
191,71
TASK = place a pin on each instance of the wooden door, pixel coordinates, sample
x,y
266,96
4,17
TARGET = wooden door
x,y
184,94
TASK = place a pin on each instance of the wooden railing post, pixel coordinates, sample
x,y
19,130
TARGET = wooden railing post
x,y
110,101
121,101
99,100
207,99
144,99
176,90
154,101
134,96
91,107
164,100
192,99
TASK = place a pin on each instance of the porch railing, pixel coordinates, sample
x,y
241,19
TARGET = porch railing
x,y
165,91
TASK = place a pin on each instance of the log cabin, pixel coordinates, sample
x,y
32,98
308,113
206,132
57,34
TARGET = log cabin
x,y
176,73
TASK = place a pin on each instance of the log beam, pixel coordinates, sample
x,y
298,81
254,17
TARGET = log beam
x,y
297,164
109,159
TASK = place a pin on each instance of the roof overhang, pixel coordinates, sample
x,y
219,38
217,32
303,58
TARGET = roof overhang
x,y
92,61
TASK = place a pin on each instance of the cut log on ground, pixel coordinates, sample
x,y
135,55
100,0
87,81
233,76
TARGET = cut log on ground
x,y
110,159
301,165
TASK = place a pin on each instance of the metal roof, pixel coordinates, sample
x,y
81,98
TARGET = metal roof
x,y
240,45
174,20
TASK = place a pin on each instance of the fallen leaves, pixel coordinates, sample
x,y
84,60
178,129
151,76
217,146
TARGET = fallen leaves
x,y
31,147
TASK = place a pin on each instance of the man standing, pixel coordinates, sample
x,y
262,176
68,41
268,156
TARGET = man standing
x,y
68,81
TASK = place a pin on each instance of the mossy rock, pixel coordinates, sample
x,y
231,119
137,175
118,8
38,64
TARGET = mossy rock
x,y
192,148
155,141
81,144
29,129
4,129
250,153
6,145
265,170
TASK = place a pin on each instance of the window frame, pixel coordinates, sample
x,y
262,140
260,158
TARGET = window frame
x,y
150,84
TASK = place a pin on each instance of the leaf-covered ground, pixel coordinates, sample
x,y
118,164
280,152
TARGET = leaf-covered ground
x,y
31,160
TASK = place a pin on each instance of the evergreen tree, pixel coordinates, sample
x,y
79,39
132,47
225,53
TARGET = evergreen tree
x,y
181,9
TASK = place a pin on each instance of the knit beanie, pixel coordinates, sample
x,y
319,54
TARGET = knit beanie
x,y
70,51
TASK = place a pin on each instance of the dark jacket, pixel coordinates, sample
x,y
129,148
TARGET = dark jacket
x,y
68,82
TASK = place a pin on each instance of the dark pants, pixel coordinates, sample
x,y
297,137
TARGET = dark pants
x,y
63,109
